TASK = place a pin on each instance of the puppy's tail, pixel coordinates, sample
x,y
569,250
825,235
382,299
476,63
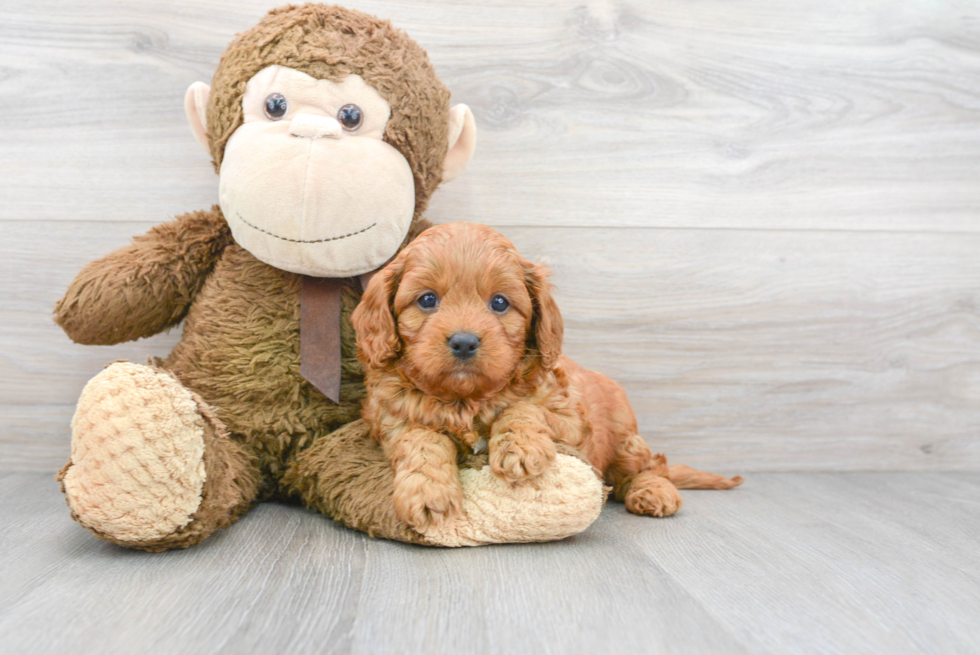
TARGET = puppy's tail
x,y
684,477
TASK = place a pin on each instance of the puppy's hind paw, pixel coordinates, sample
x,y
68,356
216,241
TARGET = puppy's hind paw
x,y
652,495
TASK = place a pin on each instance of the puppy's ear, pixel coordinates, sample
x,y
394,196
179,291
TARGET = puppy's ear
x,y
374,319
547,326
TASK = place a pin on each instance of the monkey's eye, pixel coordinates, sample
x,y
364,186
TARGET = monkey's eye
x,y
350,117
276,106
428,300
499,304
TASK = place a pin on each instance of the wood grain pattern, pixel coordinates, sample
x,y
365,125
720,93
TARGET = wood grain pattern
x,y
762,216
807,550
740,350
788,563
814,114
763,220
298,570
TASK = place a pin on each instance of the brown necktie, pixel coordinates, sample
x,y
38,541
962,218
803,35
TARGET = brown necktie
x,y
319,334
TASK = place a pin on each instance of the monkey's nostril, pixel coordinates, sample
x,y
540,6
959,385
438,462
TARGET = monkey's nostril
x,y
463,345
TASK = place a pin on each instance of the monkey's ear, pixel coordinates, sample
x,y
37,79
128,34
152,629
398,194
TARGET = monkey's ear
x,y
462,142
196,108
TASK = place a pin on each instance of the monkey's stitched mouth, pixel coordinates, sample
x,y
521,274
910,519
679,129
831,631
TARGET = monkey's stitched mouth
x,y
338,238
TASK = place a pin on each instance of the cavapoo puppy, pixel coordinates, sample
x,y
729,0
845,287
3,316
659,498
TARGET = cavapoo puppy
x,y
461,339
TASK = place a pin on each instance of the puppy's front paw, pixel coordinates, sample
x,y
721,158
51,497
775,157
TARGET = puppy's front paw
x,y
422,501
652,495
522,453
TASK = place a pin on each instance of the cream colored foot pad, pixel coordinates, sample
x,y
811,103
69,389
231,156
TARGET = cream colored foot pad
x,y
137,454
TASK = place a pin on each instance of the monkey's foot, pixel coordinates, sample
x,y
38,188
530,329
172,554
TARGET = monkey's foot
x,y
137,454
563,501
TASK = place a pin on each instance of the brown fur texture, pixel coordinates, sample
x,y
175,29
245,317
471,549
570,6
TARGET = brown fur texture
x,y
426,405
148,286
272,433
329,42
341,461
240,354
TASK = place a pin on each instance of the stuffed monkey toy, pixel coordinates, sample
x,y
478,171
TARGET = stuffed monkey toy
x,y
329,131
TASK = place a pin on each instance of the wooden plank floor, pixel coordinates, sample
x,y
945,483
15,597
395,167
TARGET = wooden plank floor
x,y
789,563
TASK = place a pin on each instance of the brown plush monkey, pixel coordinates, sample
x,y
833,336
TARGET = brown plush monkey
x,y
330,131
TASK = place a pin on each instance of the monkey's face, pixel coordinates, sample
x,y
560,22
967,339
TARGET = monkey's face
x,y
331,130
307,182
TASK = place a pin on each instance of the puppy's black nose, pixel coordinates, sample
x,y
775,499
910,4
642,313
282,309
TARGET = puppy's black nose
x,y
464,344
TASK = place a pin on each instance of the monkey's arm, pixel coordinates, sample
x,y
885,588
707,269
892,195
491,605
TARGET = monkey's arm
x,y
147,286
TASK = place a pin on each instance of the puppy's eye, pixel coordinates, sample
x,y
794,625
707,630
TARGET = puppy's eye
x,y
276,106
350,117
499,304
428,300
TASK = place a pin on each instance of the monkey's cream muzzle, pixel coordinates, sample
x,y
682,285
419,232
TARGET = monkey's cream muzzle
x,y
341,201
312,126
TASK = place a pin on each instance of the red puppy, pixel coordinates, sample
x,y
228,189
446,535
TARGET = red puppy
x,y
460,340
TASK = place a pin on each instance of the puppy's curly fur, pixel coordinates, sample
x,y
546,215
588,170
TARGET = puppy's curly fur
x,y
508,384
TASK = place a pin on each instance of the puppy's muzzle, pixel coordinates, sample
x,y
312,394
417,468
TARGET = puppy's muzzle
x,y
463,345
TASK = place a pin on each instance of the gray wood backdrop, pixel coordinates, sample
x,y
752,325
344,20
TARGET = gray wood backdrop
x,y
762,215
